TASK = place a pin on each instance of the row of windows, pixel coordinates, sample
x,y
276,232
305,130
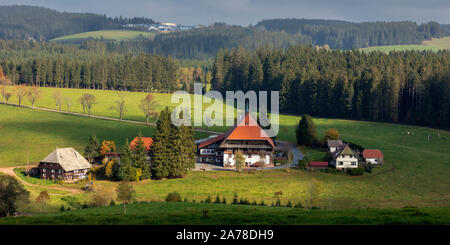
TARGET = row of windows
x,y
342,163
53,171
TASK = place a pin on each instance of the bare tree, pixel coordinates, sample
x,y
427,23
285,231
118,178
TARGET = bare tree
x,y
148,106
3,91
33,94
87,101
68,102
20,91
119,106
312,193
57,96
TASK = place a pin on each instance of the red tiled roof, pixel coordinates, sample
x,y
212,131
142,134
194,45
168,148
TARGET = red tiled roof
x,y
372,153
248,129
148,141
318,164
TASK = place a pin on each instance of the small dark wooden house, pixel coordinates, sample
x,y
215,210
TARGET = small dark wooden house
x,y
64,164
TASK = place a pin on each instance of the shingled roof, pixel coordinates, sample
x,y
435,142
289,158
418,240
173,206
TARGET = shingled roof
x,y
343,150
334,143
68,158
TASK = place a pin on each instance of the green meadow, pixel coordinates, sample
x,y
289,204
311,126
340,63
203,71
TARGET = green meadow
x,y
115,35
415,171
214,214
435,45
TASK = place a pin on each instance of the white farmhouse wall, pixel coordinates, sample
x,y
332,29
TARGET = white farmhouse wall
x,y
346,161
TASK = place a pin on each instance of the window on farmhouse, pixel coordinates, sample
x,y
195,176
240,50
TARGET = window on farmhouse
x,y
353,163
340,163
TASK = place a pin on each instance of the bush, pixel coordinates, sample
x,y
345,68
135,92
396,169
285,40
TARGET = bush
x,y
254,203
235,199
355,171
112,203
208,199
289,204
224,201
62,209
368,168
185,199
262,203
217,199
299,205
173,197
302,163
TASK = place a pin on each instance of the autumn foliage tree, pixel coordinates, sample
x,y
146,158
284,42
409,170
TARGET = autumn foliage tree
x,y
148,106
331,134
107,146
240,160
43,199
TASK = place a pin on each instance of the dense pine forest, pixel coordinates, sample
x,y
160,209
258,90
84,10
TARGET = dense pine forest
x,y
42,24
410,87
88,65
203,43
348,35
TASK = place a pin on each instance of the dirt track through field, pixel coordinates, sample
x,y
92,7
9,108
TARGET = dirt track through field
x,y
101,117
10,171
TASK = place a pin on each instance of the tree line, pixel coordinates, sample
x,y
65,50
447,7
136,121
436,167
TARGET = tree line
x,y
43,24
350,35
410,87
62,66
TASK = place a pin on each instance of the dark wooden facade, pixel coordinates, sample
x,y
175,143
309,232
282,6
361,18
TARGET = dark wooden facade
x,y
56,172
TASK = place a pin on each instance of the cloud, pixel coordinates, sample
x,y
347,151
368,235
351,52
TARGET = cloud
x,y
244,12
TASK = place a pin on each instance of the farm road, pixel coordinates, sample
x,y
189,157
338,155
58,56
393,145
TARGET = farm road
x,y
10,171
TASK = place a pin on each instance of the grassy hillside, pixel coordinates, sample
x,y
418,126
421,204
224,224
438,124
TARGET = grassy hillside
x,y
415,171
215,214
28,135
435,44
115,35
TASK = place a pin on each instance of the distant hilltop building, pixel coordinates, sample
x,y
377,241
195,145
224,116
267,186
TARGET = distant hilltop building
x,y
159,27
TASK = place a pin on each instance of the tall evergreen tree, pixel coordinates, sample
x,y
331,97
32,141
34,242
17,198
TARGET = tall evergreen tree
x,y
140,158
306,131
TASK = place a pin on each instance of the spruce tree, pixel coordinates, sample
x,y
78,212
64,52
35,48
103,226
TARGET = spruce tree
x,y
92,148
140,158
161,144
306,131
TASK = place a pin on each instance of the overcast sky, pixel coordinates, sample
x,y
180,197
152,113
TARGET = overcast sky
x,y
245,12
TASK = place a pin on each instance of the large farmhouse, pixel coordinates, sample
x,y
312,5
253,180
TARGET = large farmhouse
x,y
65,164
247,136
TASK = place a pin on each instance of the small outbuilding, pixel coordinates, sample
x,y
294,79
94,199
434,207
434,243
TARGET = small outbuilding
x,y
318,165
373,156
64,164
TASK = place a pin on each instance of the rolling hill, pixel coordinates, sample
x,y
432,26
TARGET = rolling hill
x,y
435,45
107,35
